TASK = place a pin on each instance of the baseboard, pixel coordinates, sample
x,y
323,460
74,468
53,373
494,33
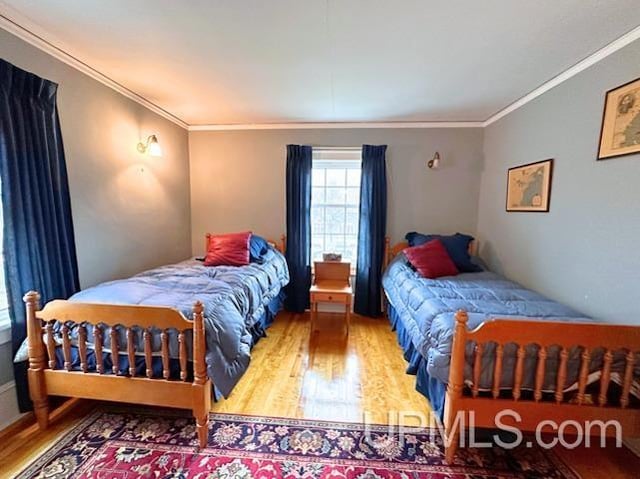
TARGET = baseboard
x,y
633,445
9,412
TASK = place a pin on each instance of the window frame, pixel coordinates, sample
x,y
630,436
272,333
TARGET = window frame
x,y
336,155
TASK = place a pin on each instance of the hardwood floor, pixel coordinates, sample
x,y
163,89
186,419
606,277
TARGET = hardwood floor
x,y
319,376
327,375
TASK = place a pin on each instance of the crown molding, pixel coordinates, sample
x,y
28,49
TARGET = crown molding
x,y
582,65
41,43
337,125
24,30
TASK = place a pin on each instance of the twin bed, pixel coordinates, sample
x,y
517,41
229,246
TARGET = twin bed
x,y
479,342
174,335
170,336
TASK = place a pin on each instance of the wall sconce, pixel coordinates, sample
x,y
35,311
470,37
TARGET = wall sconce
x,y
152,145
434,163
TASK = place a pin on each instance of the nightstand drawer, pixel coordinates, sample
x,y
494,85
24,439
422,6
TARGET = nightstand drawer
x,y
330,298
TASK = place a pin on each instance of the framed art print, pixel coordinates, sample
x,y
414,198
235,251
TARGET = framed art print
x,y
529,187
620,131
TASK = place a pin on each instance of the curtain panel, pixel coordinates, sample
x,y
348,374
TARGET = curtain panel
x,y
373,222
298,253
38,242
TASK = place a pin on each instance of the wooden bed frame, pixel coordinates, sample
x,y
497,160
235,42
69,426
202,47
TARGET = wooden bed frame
x,y
46,379
544,334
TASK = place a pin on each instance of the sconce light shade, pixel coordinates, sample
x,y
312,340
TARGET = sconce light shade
x,y
434,163
151,145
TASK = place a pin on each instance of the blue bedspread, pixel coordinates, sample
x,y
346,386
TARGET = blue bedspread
x,y
427,310
234,298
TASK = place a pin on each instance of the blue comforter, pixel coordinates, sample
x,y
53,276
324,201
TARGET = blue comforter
x,y
427,310
234,298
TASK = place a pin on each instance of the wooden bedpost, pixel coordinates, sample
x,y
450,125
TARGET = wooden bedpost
x,y
283,244
37,361
387,252
207,237
201,383
454,388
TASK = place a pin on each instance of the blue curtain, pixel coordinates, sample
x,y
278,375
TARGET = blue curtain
x,y
298,251
373,222
39,248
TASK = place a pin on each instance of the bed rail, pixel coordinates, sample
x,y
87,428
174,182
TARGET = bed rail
x,y
607,338
46,379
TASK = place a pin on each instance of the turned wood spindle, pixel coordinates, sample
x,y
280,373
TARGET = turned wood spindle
x,y
584,374
540,369
497,371
115,353
164,336
131,351
183,355
519,371
148,358
66,346
51,345
477,369
82,347
628,378
99,341
562,375
604,379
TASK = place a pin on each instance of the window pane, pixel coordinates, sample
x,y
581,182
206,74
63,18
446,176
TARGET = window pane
x,y
335,217
353,177
336,177
317,220
351,249
317,195
335,244
335,196
353,196
317,248
351,226
335,205
317,176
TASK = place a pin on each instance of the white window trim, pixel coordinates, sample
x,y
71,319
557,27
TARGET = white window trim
x,y
5,332
338,154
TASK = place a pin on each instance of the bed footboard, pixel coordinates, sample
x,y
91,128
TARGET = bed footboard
x,y
46,379
537,407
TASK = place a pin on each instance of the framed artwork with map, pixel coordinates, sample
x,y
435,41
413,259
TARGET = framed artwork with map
x,y
529,187
620,132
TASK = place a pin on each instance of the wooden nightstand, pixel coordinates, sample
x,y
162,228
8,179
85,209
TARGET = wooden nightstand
x,y
331,284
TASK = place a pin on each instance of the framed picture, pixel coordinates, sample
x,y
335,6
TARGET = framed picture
x,y
620,132
529,187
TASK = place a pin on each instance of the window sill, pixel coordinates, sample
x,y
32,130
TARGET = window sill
x,y
5,333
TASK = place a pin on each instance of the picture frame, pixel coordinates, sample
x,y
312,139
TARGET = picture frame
x,y
620,129
529,187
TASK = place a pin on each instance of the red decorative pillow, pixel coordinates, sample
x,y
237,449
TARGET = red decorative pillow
x,y
431,260
228,250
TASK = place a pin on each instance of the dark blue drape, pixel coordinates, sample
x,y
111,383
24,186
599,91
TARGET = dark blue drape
x,y
373,222
298,251
39,247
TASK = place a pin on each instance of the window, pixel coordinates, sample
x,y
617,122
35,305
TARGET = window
x,y
335,203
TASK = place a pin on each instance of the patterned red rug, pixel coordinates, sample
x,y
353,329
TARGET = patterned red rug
x,y
152,444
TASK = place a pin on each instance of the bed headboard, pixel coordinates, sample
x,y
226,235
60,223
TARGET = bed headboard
x,y
391,251
280,245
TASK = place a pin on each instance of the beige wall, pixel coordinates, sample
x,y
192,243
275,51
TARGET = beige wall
x,y
130,211
238,178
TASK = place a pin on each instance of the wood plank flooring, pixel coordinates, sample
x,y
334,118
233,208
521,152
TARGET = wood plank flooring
x,y
327,375
317,376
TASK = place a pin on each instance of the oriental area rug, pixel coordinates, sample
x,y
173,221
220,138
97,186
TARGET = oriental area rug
x,y
149,443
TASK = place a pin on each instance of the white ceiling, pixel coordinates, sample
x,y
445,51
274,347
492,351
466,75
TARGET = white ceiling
x,y
281,61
